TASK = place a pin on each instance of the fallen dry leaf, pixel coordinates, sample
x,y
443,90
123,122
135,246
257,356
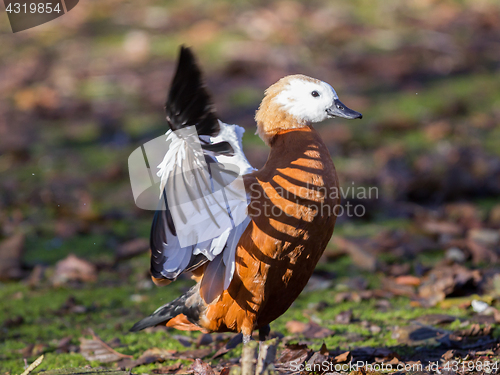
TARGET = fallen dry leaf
x,y
37,276
151,355
449,354
407,280
495,215
370,354
201,368
481,253
344,357
414,334
393,361
309,330
435,319
315,331
193,354
97,350
394,288
171,369
71,306
11,251
295,352
345,317
444,281
132,248
324,350
13,322
39,349
73,268
474,330
442,227
294,326
484,236
27,351
319,357
356,248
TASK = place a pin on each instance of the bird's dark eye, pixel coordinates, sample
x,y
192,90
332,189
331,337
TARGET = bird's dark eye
x,y
340,107
315,93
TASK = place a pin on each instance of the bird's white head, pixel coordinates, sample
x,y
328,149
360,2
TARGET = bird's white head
x,y
307,99
298,101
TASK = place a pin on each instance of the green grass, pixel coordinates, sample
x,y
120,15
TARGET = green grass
x,y
111,311
49,251
478,90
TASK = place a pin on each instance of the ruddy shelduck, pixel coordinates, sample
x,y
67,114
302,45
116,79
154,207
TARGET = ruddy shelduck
x,y
250,238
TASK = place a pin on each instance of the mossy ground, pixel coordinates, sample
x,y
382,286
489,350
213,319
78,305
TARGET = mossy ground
x,y
122,296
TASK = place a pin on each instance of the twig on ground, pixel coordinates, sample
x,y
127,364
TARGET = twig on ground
x,y
33,366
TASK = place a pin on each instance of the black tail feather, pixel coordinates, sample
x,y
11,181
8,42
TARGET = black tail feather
x,y
169,311
188,101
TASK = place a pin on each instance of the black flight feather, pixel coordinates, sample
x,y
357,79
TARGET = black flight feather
x,y
157,257
221,148
158,237
188,101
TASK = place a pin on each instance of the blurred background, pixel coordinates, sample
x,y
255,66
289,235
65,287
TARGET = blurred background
x,y
79,94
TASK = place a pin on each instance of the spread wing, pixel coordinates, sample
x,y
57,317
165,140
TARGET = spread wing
x,y
202,209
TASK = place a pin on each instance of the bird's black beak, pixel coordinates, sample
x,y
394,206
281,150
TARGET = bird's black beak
x,y
338,109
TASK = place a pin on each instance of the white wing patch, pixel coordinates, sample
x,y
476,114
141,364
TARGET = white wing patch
x,y
208,205
234,135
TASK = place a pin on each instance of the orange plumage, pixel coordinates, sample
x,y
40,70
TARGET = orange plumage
x,y
292,212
